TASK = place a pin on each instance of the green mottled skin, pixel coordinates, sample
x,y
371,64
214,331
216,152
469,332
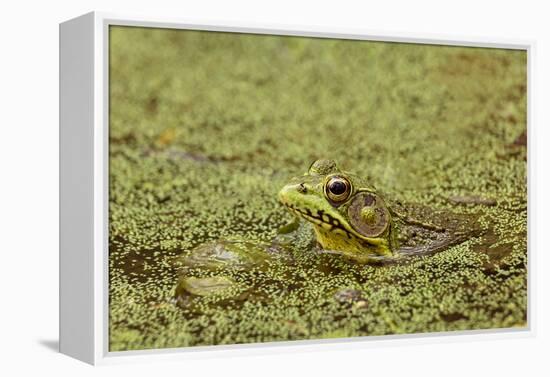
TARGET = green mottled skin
x,y
306,197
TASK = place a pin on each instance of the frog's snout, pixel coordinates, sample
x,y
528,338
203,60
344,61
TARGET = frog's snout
x,y
291,191
284,193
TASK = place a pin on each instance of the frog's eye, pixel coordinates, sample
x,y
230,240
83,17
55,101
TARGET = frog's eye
x,y
337,189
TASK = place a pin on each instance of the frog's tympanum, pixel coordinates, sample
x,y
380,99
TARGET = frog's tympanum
x,y
351,217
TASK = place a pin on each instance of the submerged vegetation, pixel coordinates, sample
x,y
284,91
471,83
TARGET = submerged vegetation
x,y
205,128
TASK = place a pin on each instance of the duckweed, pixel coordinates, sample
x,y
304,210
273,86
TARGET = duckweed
x,y
206,127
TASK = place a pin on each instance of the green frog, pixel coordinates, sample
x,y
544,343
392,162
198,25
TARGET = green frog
x,y
351,217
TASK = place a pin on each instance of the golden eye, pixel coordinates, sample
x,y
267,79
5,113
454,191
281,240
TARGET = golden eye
x,y
338,189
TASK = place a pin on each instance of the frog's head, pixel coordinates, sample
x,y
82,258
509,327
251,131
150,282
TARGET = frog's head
x,y
347,214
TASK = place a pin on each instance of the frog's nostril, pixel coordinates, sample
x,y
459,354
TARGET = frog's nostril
x,y
302,188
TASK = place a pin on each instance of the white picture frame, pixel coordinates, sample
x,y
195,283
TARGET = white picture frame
x,y
84,187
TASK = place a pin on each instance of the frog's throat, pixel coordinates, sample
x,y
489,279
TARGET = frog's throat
x,y
348,244
332,234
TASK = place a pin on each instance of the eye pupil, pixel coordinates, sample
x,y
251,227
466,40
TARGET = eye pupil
x,y
337,187
337,190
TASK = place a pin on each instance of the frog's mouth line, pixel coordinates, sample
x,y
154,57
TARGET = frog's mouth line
x,y
320,218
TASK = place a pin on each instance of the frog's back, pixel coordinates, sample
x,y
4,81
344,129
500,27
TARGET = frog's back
x,y
421,230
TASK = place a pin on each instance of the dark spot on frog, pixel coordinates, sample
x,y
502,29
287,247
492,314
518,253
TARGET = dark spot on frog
x,y
369,200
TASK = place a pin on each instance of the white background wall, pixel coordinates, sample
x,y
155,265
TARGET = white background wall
x,y
29,185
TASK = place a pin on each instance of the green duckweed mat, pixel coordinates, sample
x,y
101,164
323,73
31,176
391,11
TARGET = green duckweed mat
x,y
206,127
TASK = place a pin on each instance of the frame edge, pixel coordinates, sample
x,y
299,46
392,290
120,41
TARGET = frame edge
x,y
76,188
99,124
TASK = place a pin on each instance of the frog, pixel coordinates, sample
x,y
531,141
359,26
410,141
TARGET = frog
x,y
350,218
353,218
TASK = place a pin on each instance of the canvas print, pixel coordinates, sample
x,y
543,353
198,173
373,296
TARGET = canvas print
x,y
267,188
